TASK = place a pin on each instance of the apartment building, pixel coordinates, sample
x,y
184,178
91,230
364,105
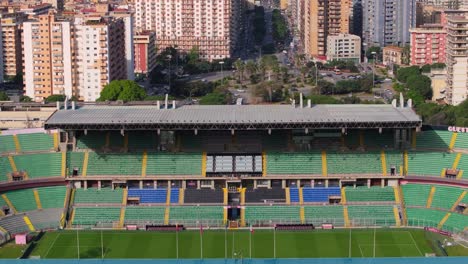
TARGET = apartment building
x,y
392,55
321,19
345,47
428,44
47,57
387,22
211,25
448,4
76,56
145,51
457,58
12,22
99,54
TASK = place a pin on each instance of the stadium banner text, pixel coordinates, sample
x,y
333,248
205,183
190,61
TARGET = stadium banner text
x,y
458,129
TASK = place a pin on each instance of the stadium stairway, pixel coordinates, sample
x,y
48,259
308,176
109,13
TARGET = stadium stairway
x,y
346,216
301,196
38,200
457,202
430,197
324,163
8,202
343,196
384,162
29,223
399,196
287,192
396,215
182,196
453,140
442,222
123,208
144,162
17,144
166,215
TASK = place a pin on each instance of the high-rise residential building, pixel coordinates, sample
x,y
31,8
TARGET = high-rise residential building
x,y
1,58
99,54
323,18
387,22
428,44
355,20
12,23
47,57
211,25
449,4
344,47
145,51
457,58
76,56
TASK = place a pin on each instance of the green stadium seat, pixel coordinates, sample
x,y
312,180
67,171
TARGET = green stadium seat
x,y
5,168
40,165
463,165
429,163
371,215
318,215
456,222
7,144
354,162
433,139
462,141
52,197
297,163
374,140
445,196
193,214
22,200
141,140
424,217
114,164
394,158
96,215
134,214
174,164
277,141
283,214
36,142
416,194
75,160
365,194
96,196
93,140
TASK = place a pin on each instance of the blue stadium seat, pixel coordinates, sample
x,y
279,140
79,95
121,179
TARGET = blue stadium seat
x,y
175,195
149,195
320,194
294,195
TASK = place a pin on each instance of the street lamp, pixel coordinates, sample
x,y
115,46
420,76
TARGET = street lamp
x,y
222,72
373,69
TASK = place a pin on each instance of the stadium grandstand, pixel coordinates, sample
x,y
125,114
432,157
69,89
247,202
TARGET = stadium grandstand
x,y
139,166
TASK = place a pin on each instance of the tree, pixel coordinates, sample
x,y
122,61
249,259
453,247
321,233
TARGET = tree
x,y
404,73
55,98
420,84
251,67
25,99
125,90
215,98
4,96
240,66
375,49
406,55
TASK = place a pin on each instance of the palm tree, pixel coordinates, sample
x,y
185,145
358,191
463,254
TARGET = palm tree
x,y
239,65
251,67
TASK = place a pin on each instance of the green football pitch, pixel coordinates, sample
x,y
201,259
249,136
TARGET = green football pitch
x,y
233,244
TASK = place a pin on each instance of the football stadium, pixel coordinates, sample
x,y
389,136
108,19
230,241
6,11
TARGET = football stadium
x,y
122,181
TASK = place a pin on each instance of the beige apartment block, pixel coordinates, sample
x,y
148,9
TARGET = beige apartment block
x,y
211,25
457,59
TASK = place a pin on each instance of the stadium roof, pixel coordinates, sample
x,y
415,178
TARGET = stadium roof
x,y
95,117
